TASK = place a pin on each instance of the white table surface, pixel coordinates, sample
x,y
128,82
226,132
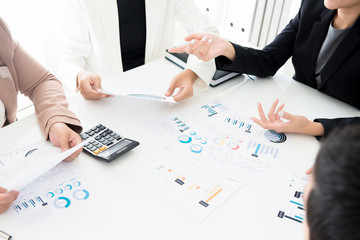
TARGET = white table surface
x,y
127,210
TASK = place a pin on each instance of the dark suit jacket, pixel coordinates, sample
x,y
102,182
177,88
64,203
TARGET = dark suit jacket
x,y
302,39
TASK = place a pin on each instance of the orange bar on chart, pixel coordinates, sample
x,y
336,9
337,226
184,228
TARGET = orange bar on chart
x,y
214,195
212,191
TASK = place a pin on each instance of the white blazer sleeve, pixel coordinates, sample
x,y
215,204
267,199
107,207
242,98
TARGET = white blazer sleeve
x,y
76,46
194,21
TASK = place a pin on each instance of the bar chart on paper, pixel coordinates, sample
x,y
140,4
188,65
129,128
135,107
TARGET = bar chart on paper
x,y
56,190
30,203
294,209
194,198
238,123
213,108
261,149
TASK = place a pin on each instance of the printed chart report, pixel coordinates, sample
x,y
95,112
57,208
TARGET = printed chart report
x,y
18,168
214,132
285,203
293,210
56,191
210,152
191,195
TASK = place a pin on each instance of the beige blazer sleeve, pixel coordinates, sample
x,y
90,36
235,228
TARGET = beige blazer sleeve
x,y
32,79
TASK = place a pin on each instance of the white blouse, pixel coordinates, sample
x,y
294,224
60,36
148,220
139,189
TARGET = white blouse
x,y
2,114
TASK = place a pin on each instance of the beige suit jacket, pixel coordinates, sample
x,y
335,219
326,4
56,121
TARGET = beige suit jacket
x,y
19,72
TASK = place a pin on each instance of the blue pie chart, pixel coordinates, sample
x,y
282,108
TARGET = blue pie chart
x,y
195,148
185,139
81,194
62,202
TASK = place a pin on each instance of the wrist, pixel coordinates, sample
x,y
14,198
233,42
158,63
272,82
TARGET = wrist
x,y
314,129
78,77
230,51
191,74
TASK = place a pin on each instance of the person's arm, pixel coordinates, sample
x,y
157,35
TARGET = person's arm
x,y
57,122
263,62
331,124
45,91
235,58
282,121
197,73
76,46
193,20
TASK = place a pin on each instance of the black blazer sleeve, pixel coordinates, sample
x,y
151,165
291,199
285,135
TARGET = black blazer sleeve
x,y
331,124
265,62
302,39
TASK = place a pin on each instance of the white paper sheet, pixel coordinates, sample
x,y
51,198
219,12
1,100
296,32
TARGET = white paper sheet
x,y
197,192
285,204
146,92
18,168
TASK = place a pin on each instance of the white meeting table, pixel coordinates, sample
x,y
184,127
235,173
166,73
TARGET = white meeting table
x,y
127,210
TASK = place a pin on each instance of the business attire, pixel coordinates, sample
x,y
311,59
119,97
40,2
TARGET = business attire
x,y
303,39
96,36
19,72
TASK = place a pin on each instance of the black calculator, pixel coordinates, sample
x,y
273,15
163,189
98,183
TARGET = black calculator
x,y
103,143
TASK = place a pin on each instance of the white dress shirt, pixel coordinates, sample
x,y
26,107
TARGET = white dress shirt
x,y
92,39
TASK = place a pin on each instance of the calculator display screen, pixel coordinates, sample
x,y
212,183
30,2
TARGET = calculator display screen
x,y
118,147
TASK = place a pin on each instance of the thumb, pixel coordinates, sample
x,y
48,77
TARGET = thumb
x,y
286,115
180,49
196,36
97,82
3,190
171,89
64,142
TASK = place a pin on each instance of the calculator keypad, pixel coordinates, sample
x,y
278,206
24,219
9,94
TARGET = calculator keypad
x,y
101,139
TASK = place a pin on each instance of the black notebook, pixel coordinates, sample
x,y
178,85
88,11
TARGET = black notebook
x,y
220,76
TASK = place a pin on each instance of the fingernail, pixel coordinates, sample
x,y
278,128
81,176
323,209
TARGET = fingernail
x,y
281,113
203,39
210,40
193,41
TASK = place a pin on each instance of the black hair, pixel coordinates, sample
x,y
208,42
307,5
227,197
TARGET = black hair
x,y
333,205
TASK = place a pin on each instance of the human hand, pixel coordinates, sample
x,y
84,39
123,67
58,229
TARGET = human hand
x,y
293,123
184,81
89,84
62,136
7,198
206,46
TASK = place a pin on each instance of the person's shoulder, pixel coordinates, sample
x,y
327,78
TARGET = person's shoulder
x,y
311,6
4,29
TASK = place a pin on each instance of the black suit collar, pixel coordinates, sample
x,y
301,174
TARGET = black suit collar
x,y
342,52
315,41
